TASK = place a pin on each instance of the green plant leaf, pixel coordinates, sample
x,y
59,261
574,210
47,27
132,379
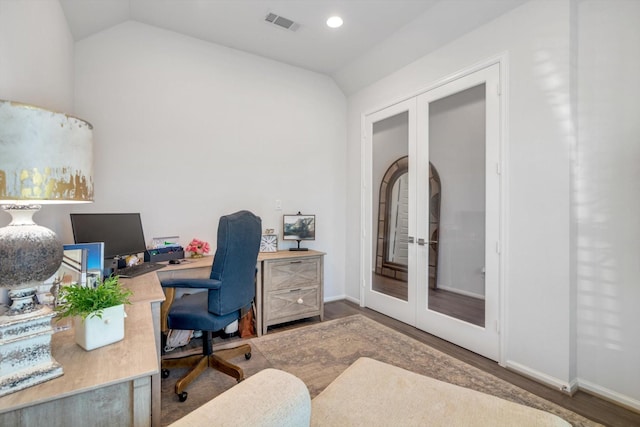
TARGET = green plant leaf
x,y
76,300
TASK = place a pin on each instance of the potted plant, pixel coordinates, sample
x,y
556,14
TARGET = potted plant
x,y
97,312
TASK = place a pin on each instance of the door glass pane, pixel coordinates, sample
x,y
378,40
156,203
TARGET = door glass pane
x,y
390,167
457,205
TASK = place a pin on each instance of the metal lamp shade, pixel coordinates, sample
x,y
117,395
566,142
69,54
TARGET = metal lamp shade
x,y
45,157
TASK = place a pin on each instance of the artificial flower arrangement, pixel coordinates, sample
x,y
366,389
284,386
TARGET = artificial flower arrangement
x,y
198,248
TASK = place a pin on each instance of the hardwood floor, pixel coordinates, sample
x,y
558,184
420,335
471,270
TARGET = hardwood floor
x,y
386,285
582,403
452,304
459,306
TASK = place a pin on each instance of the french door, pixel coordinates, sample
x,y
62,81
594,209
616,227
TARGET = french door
x,y
390,283
443,146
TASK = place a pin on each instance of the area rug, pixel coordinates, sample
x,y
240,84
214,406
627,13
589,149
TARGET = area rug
x,y
318,353
207,386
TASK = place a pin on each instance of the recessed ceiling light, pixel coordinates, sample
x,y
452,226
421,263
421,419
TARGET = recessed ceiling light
x,y
334,22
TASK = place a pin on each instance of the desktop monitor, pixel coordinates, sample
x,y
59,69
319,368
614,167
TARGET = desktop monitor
x,y
121,232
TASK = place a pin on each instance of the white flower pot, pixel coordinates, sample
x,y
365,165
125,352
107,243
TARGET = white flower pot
x,y
94,332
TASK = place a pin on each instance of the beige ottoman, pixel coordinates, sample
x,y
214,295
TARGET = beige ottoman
x,y
270,398
372,393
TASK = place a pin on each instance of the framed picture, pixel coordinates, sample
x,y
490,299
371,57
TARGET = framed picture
x,y
269,243
299,227
94,261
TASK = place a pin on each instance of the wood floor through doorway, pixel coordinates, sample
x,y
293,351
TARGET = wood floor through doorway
x,y
446,302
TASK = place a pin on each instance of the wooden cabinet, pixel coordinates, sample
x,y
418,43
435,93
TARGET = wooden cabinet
x,y
292,286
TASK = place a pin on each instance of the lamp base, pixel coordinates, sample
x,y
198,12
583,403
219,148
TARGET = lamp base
x,y
23,300
30,254
25,350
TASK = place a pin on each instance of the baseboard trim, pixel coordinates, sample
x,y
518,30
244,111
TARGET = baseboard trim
x,y
610,395
338,298
565,387
575,385
352,299
461,292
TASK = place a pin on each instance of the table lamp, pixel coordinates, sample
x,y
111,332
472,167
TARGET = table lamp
x,y
45,158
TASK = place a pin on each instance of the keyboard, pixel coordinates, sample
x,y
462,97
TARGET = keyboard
x,y
137,270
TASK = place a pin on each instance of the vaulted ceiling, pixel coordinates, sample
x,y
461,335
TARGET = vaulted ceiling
x,y
378,36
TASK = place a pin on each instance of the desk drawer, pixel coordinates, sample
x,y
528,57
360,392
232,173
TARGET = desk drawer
x,y
292,304
291,274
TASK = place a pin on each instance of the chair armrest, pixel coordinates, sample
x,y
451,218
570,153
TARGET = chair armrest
x,y
211,284
169,287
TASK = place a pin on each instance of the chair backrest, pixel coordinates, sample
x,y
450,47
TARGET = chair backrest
x,y
234,263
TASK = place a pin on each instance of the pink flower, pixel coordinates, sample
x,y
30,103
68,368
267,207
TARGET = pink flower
x,y
198,246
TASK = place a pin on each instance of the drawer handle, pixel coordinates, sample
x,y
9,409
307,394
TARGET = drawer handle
x,y
300,301
294,290
295,262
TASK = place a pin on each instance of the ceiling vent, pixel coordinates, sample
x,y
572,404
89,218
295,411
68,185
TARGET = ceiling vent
x,y
282,22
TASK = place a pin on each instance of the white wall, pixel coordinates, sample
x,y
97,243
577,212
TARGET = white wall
x,y
537,283
608,198
186,131
36,51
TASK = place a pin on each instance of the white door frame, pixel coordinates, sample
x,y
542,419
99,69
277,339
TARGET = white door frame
x,y
366,184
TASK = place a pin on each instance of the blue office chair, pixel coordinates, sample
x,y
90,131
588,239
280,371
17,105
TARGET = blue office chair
x,y
231,289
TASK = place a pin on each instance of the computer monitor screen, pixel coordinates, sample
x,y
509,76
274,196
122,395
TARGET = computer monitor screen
x,y
121,232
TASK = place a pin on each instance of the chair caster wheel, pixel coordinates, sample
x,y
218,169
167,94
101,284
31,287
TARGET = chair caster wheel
x,y
247,356
164,373
183,396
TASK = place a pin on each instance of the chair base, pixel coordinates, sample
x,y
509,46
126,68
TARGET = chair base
x,y
199,363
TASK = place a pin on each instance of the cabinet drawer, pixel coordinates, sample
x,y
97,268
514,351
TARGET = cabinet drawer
x,y
290,304
290,274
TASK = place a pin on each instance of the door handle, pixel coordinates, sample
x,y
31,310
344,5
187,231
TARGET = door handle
x,y
410,239
421,242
